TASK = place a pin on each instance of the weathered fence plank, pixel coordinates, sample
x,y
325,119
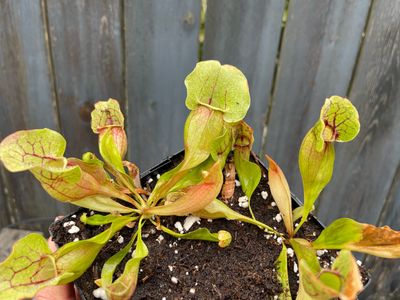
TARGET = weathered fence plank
x,y
386,272
364,168
318,53
161,49
4,213
86,46
26,98
246,34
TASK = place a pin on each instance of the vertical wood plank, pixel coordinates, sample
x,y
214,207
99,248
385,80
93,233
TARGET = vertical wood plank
x,y
87,51
364,168
26,98
246,34
385,273
161,49
4,213
318,53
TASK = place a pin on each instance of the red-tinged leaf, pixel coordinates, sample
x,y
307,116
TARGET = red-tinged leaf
x,y
340,118
281,193
244,139
345,264
106,114
195,198
313,286
108,122
27,149
348,234
31,266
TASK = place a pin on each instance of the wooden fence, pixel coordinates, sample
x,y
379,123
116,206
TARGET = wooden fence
x,y
58,57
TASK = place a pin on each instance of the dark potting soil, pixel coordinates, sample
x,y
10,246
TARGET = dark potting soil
x,y
244,270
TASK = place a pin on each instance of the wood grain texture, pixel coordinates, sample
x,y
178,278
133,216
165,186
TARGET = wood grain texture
x,y
246,34
365,167
26,99
319,50
8,237
161,49
4,213
87,51
385,273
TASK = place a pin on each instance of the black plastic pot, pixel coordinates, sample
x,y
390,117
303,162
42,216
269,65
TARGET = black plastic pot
x,y
171,161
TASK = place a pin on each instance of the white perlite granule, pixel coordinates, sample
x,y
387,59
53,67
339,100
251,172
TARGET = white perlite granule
x,y
67,224
264,195
73,229
120,239
100,293
189,221
178,226
160,239
174,279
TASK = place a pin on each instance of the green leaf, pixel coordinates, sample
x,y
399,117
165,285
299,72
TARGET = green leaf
x,y
297,213
203,128
350,235
281,193
222,146
195,197
338,122
222,237
109,151
99,219
283,277
31,266
123,287
75,258
111,264
28,149
221,88
249,174
304,251
316,168
219,210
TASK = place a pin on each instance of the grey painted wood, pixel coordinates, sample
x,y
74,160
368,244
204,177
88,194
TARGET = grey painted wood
x,y
4,213
385,273
365,167
26,98
246,34
87,51
8,237
319,50
161,49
